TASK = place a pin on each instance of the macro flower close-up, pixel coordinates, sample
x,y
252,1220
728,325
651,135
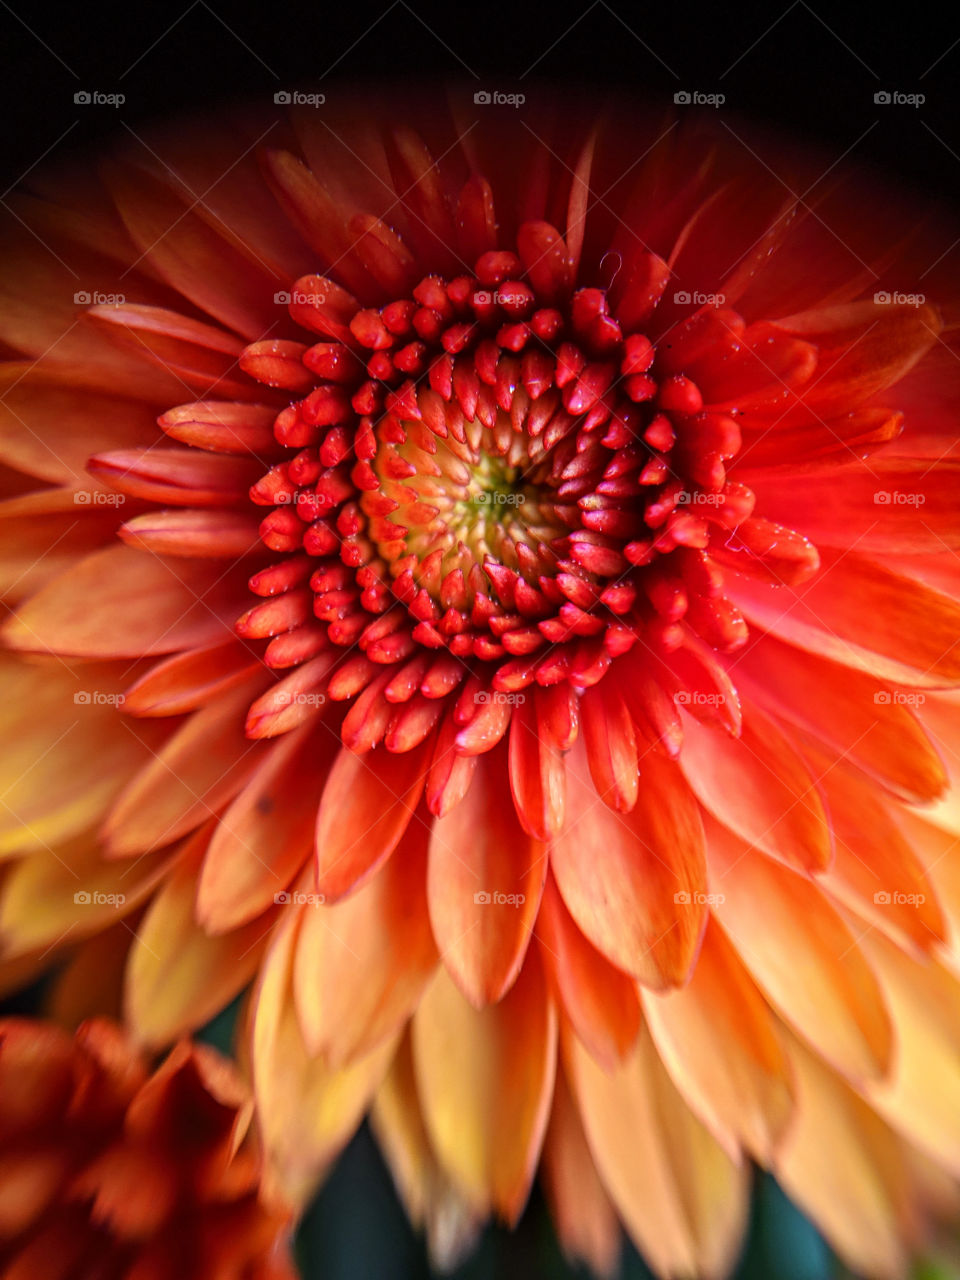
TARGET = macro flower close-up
x,y
483,589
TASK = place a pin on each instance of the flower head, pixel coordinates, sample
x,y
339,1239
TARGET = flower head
x,y
524,630
108,1169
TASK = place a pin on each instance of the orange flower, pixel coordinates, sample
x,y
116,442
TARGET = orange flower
x,y
108,1170
526,629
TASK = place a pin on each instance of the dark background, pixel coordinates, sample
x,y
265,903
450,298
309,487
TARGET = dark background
x,y
812,69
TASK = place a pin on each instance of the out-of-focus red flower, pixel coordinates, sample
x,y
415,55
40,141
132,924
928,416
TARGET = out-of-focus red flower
x,y
526,628
110,1171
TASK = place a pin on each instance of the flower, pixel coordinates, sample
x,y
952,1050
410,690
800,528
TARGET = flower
x,y
521,646
112,1170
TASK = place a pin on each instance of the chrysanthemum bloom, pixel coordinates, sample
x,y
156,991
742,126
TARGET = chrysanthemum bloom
x,y
110,1171
519,640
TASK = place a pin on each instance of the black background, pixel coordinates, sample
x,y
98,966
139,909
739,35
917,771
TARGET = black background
x,y
811,68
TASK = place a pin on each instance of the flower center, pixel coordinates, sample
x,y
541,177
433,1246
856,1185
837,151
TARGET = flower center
x,y
508,477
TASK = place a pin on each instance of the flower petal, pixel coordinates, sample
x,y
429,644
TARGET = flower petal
x,y
485,1078
484,883
682,1199
362,963
367,804
634,882
802,955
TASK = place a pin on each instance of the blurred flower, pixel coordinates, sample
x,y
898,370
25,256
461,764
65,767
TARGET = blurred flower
x,y
108,1170
545,562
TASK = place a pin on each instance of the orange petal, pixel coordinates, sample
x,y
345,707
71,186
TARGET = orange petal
x,y
681,1198
600,1001
199,769
429,1197
537,775
585,1220
44,534
226,535
177,976
921,1098
863,615
611,746
362,963
306,1111
484,884
190,255
801,954
65,752
122,603
62,894
485,1079
266,835
367,803
902,505
190,680
759,787
847,710
875,872
853,1186
50,431
718,1039
635,882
